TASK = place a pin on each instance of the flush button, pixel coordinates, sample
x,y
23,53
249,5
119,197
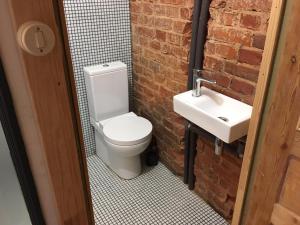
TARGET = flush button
x,y
105,65
36,38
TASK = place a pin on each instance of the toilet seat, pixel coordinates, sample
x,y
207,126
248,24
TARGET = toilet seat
x,y
127,130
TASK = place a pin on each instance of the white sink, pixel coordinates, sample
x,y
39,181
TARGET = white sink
x,y
220,115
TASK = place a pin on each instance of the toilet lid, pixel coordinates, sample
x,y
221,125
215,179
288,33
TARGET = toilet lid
x,y
127,130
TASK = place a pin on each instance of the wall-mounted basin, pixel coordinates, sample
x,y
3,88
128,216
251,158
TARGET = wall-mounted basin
x,y
226,118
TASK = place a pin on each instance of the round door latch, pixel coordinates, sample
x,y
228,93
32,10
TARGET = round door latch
x,y
36,38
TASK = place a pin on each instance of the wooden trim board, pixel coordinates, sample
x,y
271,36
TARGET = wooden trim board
x,y
59,9
261,90
278,129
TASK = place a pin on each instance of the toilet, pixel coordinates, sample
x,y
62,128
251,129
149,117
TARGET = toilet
x,y
121,136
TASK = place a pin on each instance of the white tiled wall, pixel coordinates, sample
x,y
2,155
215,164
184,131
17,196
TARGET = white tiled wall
x,y
99,32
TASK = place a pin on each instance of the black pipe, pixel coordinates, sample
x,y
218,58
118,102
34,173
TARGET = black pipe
x,y
186,153
201,36
199,31
195,27
192,148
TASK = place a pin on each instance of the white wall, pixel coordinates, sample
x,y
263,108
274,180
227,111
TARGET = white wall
x,y
13,210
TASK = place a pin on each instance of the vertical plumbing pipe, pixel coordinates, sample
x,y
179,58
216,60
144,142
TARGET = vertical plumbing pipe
x,y
199,33
195,25
202,33
186,152
193,152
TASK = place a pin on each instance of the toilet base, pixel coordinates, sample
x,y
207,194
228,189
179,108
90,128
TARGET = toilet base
x,y
126,160
126,167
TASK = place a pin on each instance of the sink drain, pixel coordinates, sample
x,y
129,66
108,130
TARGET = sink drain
x,y
223,118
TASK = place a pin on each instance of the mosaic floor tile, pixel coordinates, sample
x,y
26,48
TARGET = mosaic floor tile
x,y
155,197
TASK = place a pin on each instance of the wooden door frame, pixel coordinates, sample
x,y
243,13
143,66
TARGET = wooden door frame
x,y
47,113
60,15
263,95
279,122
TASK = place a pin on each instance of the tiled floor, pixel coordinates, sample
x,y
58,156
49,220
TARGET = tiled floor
x,y
155,197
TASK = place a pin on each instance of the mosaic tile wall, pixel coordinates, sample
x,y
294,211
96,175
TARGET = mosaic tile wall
x,y
98,32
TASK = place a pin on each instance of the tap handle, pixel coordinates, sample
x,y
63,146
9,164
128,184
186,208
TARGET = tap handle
x,y
207,81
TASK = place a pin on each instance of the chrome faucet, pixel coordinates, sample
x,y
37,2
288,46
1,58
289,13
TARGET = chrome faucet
x,y
197,80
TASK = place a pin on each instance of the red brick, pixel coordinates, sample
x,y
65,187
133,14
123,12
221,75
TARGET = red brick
x,y
243,87
213,63
173,38
250,56
210,48
134,18
222,79
135,8
160,35
186,40
227,19
154,66
146,20
230,35
163,23
253,5
225,51
259,41
148,8
155,45
232,94
186,14
218,4
148,54
182,27
242,71
144,61
250,21
172,12
160,10
178,2
144,41
144,31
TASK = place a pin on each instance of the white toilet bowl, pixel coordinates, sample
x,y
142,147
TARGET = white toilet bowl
x,y
121,140
121,136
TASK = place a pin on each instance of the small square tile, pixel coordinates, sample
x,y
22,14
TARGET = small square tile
x,y
157,196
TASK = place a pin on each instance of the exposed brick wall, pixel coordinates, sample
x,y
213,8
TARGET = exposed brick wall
x,y
234,47
161,33
217,177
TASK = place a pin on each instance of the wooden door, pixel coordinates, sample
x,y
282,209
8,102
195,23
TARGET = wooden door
x,y
45,108
273,195
286,210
